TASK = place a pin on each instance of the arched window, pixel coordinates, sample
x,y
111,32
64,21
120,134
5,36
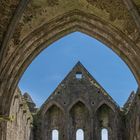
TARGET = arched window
x,y
104,134
55,135
79,134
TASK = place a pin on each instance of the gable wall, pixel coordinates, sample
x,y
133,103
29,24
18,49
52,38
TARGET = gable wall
x,y
79,101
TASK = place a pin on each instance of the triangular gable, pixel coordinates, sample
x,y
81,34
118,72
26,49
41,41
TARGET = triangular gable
x,y
82,73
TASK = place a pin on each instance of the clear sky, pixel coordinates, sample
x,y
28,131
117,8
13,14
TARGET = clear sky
x,y
51,66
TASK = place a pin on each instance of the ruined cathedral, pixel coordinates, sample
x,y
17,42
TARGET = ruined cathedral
x,y
79,103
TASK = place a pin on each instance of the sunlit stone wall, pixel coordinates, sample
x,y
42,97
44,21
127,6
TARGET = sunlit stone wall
x,y
19,125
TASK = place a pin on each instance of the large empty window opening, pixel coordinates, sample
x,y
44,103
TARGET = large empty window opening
x,y
79,134
55,135
104,134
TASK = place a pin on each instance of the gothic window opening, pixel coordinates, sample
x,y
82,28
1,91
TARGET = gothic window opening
x,y
55,135
79,134
104,134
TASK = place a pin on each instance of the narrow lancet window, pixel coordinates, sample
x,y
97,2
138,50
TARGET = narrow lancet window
x,y
79,134
55,135
104,134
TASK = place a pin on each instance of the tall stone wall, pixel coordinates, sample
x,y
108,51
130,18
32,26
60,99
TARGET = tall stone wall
x,y
79,103
19,127
2,130
132,119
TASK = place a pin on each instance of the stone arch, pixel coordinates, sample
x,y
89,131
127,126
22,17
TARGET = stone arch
x,y
46,106
108,119
80,134
53,119
109,104
103,115
79,118
42,37
76,101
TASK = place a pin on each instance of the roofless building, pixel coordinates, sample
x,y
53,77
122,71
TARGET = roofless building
x,y
78,109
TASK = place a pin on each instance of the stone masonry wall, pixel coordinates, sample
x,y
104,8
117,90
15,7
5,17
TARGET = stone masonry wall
x,y
20,125
79,103
132,120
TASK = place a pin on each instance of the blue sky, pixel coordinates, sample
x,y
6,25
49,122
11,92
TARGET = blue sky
x,y
51,66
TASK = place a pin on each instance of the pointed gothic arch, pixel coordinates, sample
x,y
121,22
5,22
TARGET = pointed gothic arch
x,y
107,119
126,48
113,105
69,22
103,115
46,106
50,110
79,100
53,120
79,119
